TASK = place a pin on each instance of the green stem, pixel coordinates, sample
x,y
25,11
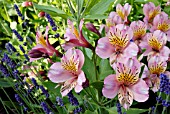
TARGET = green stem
x,y
6,12
10,99
85,8
4,105
94,61
164,109
157,103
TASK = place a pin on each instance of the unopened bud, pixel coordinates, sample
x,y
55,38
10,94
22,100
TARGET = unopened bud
x,y
26,4
41,14
92,28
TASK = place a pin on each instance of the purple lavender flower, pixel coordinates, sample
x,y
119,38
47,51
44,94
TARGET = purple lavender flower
x,y
35,83
15,74
26,56
17,35
8,48
21,48
4,70
52,23
165,103
45,108
19,100
73,100
59,101
44,91
18,11
12,47
164,84
118,108
77,110
57,35
9,62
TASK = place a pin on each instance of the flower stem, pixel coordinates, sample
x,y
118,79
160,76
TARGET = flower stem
x,y
164,108
157,103
4,105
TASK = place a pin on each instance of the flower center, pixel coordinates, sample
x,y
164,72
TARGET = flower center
x,y
153,14
109,23
139,32
118,41
120,13
157,69
75,32
127,77
70,65
42,41
163,26
155,44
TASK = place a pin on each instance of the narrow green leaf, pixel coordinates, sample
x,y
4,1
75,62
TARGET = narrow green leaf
x,y
89,69
5,28
96,16
4,83
51,10
101,7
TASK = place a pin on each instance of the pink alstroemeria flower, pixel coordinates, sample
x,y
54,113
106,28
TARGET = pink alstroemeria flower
x,y
73,38
156,66
68,72
42,46
150,11
123,11
117,45
154,44
126,84
162,22
139,30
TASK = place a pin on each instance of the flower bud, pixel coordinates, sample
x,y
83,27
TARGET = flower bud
x,y
35,53
41,14
26,4
92,28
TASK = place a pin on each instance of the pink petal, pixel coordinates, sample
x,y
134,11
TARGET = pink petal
x,y
81,78
78,88
104,49
40,48
80,56
140,91
57,74
127,8
111,86
164,53
131,50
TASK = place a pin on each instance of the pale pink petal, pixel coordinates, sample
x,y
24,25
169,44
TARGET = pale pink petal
x,y
127,8
148,51
80,55
140,91
111,86
81,78
131,50
78,88
104,49
40,48
57,74
165,53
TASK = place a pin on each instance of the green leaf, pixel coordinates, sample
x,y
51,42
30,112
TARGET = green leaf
x,y
51,10
5,83
104,69
98,85
167,10
5,28
101,7
89,68
135,111
96,16
90,112
80,4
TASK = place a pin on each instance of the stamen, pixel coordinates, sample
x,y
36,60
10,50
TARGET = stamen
x,y
157,69
120,13
42,41
155,44
70,65
163,26
118,41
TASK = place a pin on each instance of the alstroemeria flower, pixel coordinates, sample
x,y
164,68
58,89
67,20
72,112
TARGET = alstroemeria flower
x,y
162,22
73,38
156,66
154,44
117,45
123,11
68,71
126,84
43,46
150,11
139,30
